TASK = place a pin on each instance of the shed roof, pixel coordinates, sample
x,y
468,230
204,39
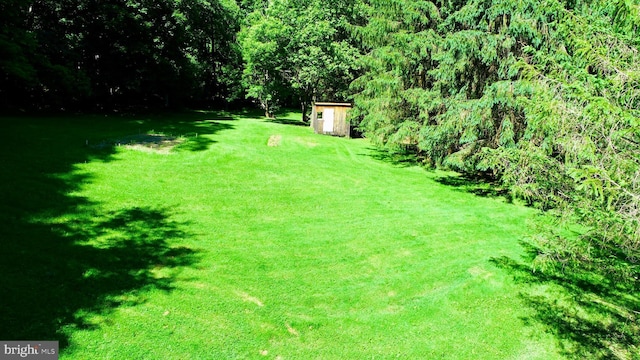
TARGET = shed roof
x,y
333,104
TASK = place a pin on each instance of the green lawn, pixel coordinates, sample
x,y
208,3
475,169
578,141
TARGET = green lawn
x,y
225,247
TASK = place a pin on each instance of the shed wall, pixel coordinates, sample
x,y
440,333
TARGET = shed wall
x,y
340,125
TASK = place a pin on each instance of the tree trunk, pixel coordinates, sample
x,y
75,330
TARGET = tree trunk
x,y
267,110
305,118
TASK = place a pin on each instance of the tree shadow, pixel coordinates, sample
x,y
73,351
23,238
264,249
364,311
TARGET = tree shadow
x,y
478,185
224,115
197,142
285,121
286,117
67,262
185,132
398,159
592,315
63,276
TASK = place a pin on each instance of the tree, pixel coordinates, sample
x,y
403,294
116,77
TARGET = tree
x,y
17,47
298,49
119,52
540,95
263,54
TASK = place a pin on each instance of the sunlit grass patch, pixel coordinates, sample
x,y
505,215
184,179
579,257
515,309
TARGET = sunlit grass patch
x,y
230,248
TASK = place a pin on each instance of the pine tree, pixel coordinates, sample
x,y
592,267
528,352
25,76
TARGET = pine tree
x,y
542,95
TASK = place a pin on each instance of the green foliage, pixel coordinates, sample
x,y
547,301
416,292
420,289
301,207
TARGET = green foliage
x,y
262,51
56,53
540,94
16,44
298,50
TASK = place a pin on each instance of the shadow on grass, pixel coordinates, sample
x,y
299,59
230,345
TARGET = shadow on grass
x,y
223,115
197,142
287,122
284,117
66,262
68,275
185,131
407,159
477,185
592,315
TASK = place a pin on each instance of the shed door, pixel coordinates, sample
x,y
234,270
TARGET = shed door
x,y
327,116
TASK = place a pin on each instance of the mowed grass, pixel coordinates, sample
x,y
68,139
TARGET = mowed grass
x,y
250,239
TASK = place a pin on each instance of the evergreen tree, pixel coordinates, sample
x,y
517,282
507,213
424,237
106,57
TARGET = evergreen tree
x,y
542,95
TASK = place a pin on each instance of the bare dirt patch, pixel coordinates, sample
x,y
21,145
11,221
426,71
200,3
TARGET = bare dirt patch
x,y
274,140
156,143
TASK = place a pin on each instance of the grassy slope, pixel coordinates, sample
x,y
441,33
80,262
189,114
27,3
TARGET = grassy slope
x,y
310,249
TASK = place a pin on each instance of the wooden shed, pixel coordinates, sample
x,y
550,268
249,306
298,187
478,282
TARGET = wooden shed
x,y
330,118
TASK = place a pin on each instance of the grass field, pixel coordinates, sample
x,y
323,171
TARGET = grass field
x,y
218,236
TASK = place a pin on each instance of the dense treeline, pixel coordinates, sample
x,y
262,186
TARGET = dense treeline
x,y
542,95
105,54
121,53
